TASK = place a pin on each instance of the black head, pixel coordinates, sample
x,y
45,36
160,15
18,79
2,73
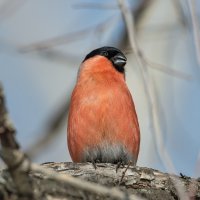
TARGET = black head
x,y
117,58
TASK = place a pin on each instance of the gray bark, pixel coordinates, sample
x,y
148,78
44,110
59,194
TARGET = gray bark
x,y
144,182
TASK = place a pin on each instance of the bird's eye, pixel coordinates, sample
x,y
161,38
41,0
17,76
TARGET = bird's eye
x,y
104,53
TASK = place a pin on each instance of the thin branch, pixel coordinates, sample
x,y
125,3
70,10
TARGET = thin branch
x,y
197,165
96,5
7,130
166,69
59,40
56,56
163,68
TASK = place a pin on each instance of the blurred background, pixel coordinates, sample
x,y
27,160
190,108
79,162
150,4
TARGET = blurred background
x,y
42,44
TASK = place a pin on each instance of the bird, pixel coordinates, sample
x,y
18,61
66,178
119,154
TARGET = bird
x,y
103,125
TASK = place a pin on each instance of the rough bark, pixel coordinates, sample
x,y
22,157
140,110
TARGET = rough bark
x,y
143,182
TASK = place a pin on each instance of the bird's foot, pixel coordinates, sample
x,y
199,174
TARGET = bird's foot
x,y
94,163
124,172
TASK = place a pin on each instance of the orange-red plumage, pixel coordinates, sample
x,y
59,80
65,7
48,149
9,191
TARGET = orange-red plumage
x,y
102,114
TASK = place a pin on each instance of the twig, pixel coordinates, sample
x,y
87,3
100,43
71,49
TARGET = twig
x,y
49,43
197,165
57,56
151,96
166,69
95,5
163,68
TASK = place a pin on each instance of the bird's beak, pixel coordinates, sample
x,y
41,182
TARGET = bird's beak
x,y
119,60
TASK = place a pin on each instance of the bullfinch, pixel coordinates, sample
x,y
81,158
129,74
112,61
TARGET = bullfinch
x,y
102,121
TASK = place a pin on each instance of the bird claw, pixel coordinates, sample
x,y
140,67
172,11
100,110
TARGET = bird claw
x,y
124,172
94,163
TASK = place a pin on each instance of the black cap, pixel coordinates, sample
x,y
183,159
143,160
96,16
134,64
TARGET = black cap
x,y
117,58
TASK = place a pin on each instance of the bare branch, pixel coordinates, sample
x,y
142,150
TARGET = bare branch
x,y
166,69
7,130
163,68
49,43
96,5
